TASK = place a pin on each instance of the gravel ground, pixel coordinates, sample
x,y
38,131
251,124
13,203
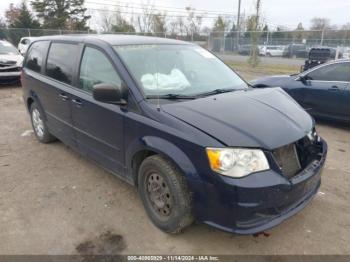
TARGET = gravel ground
x,y
53,201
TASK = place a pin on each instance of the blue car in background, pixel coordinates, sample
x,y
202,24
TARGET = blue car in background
x,y
323,91
173,120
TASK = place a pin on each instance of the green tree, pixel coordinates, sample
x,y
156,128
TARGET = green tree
x,y
122,25
3,29
11,14
299,33
255,26
219,25
234,27
62,14
233,31
19,20
279,34
265,32
300,27
25,18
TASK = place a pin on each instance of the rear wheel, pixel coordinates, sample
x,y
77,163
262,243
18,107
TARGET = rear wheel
x,y
165,195
39,126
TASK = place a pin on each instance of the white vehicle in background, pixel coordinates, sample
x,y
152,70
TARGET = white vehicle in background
x,y
10,63
24,44
346,53
272,50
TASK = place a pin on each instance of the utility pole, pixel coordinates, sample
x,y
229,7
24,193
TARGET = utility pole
x,y
322,36
238,22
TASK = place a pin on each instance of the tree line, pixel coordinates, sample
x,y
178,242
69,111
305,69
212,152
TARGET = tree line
x,y
46,14
49,14
74,15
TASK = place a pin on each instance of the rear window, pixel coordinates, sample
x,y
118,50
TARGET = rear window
x,y
36,55
61,61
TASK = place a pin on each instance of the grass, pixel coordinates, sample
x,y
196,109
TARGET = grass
x,y
250,73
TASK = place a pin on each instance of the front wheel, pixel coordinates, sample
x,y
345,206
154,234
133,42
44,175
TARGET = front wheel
x,y
39,126
165,194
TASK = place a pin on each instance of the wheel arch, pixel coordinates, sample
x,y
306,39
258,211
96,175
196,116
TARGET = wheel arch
x,y
152,145
30,101
33,98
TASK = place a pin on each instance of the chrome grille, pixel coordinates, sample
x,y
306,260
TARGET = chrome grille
x,y
7,63
10,69
288,160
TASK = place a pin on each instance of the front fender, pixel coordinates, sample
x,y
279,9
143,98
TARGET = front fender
x,y
165,148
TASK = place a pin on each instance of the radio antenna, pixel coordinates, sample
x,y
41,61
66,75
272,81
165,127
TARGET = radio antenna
x,y
157,73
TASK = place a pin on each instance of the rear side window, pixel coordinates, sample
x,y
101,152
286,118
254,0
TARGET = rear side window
x,y
36,55
61,61
334,72
96,69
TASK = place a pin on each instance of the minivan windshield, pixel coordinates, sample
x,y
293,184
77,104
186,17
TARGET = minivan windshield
x,y
178,70
7,49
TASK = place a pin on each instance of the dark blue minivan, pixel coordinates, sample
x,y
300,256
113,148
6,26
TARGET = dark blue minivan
x,y
172,119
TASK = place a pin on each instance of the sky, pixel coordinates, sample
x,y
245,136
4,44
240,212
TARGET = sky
x,y
287,13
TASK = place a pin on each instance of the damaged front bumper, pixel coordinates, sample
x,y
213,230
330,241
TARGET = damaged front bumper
x,y
260,201
10,74
10,71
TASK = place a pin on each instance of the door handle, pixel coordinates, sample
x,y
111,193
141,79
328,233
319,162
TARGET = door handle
x,y
63,96
334,88
77,102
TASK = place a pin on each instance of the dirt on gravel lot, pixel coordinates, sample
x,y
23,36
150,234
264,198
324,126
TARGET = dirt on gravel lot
x,y
53,201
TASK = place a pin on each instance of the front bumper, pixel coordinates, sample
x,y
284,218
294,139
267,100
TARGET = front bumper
x,y
10,74
259,201
9,77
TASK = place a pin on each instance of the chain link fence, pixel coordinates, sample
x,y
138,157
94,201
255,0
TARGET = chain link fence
x,y
240,41
13,35
294,43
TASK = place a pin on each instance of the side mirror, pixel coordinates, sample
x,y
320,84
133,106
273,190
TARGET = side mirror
x,y
108,93
302,78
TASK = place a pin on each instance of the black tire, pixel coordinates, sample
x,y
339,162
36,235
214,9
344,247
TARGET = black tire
x,y
45,136
175,196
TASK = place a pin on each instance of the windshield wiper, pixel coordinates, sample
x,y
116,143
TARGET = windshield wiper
x,y
170,96
217,91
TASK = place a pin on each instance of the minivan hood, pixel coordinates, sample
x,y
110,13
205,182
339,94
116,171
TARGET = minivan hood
x,y
257,118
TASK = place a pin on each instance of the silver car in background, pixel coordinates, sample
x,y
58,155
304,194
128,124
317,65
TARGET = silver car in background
x,y
272,51
10,63
24,44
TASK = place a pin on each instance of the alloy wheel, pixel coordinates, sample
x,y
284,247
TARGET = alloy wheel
x,y
38,123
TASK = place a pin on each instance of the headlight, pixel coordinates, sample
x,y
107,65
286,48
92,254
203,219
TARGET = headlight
x,y
237,162
20,63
